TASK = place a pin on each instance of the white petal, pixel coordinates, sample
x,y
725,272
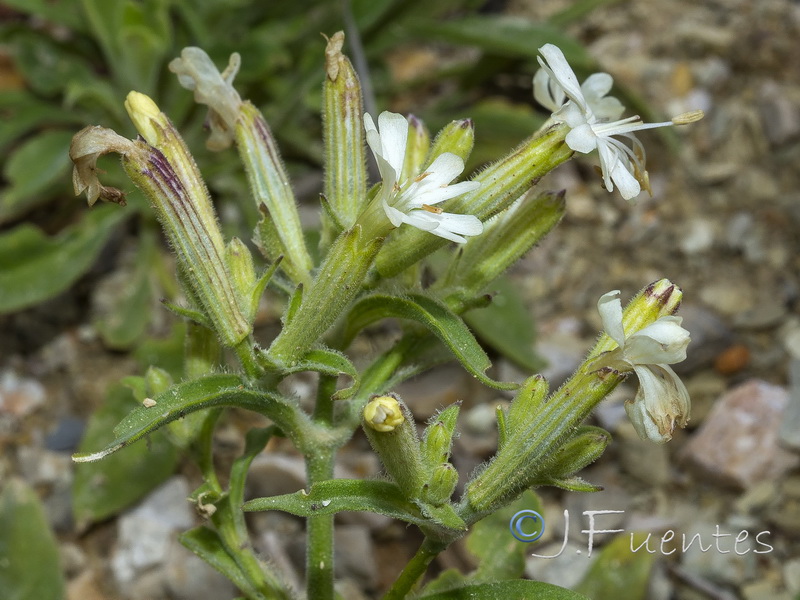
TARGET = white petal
x,y
609,158
547,92
664,341
607,108
439,194
461,224
627,184
562,73
395,216
661,404
596,86
582,139
446,167
422,219
610,309
393,129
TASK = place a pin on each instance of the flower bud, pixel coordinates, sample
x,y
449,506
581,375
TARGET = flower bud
x,y
345,155
161,166
442,484
505,239
438,437
243,274
390,429
418,145
457,137
383,414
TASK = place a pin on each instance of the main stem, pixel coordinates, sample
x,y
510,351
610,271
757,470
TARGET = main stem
x,y
319,531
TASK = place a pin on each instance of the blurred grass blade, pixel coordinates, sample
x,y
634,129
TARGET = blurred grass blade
x,y
29,559
34,267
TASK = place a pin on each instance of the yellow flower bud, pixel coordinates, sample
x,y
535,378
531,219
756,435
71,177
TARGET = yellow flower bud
x,y
383,414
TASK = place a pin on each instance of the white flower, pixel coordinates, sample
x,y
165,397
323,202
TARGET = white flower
x,y
594,119
413,200
662,401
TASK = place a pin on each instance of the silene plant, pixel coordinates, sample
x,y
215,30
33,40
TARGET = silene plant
x,y
372,242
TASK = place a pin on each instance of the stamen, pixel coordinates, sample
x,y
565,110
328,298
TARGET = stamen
x,y
431,209
688,117
422,176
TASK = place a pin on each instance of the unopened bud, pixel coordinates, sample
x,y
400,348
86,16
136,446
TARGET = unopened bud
x,y
383,413
457,137
390,429
441,485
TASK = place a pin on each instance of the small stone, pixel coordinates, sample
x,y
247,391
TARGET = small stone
x,y
19,396
728,297
710,336
757,497
355,556
779,114
566,571
273,474
704,389
698,237
765,315
188,577
481,419
737,444
791,575
145,533
85,587
644,460
790,426
764,589
732,360
66,436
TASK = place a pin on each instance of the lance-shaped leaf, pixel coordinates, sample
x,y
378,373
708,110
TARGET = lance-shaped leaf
x,y
337,495
327,362
186,398
435,316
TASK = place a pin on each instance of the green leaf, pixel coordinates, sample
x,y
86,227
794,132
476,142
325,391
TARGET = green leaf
x,y
506,36
104,488
434,315
189,397
34,267
500,554
337,495
64,13
32,170
444,515
618,572
126,320
503,590
506,325
21,112
328,362
29,559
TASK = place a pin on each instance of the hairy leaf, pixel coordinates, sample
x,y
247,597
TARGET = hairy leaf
x,y
435,316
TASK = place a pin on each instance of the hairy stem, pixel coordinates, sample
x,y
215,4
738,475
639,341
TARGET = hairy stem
x,y
415,569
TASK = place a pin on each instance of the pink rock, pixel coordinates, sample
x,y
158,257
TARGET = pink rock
x,y
737,444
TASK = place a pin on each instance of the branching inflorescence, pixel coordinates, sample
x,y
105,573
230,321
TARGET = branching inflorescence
x,y
370,241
